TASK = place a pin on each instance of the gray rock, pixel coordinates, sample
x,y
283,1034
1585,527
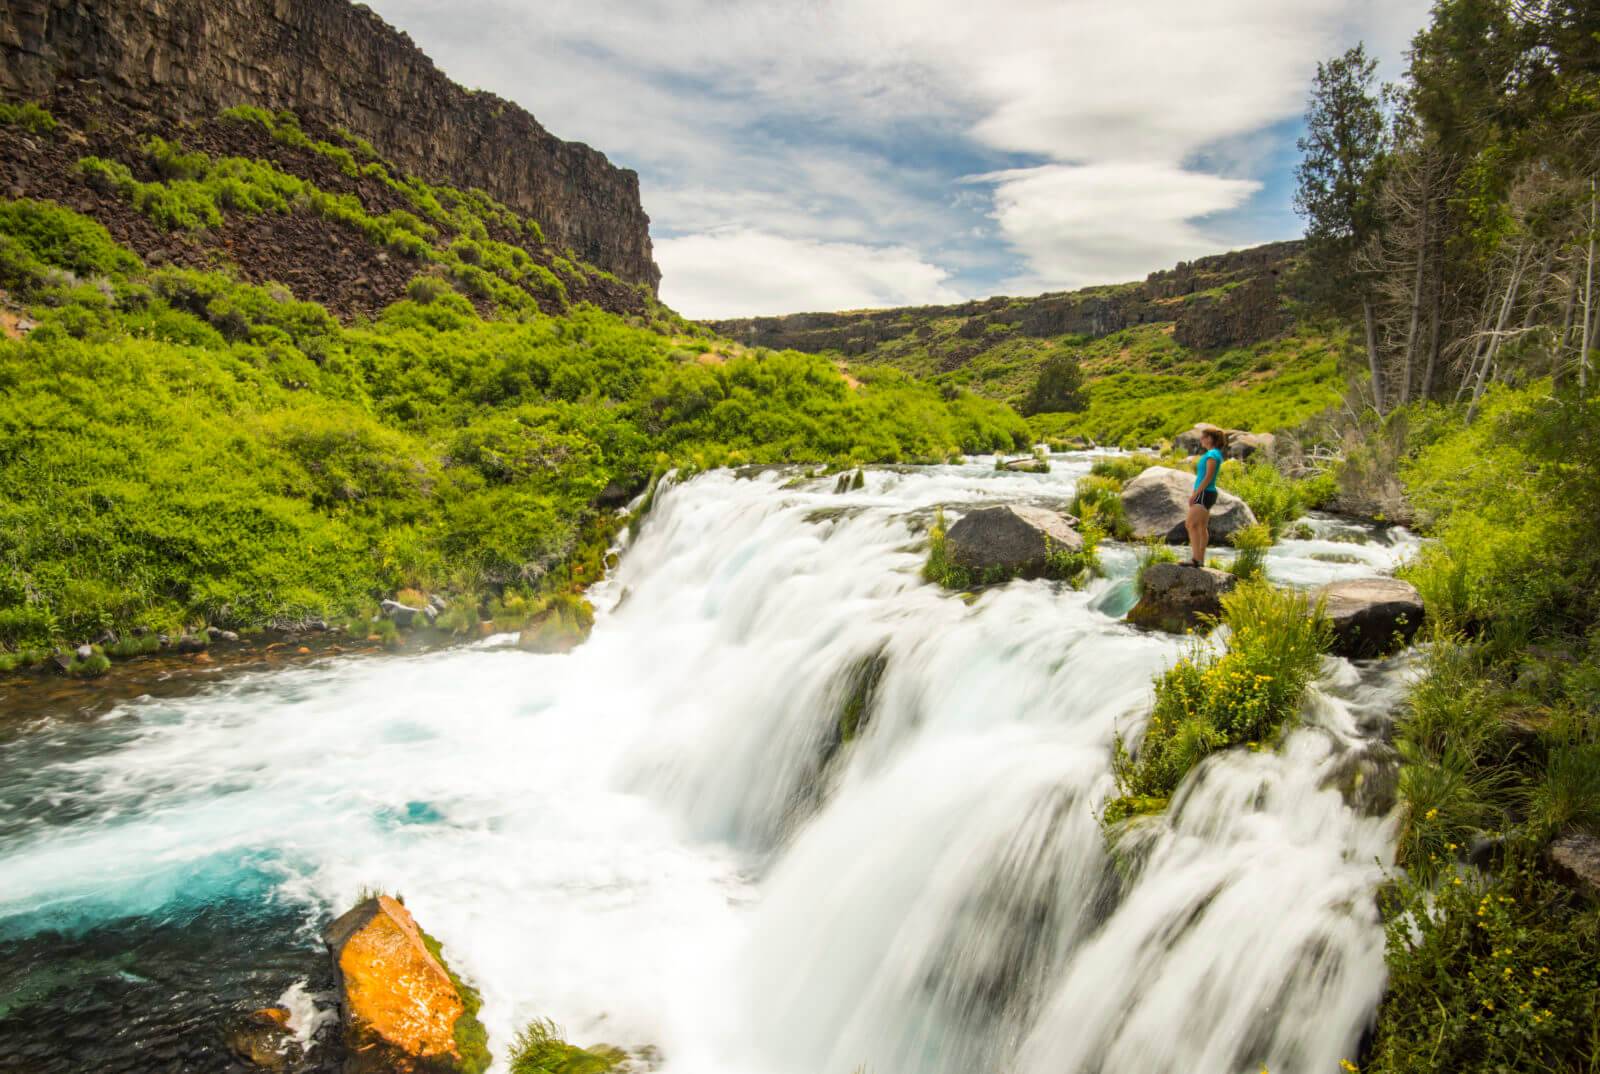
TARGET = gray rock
x,y
1010,540
1246,445
1156,502
1368,778
1369,615
1175,597
1576,859
402,614
191,643
84,652
437,603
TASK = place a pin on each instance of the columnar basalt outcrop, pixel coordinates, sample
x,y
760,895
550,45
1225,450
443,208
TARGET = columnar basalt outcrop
x,y
341,65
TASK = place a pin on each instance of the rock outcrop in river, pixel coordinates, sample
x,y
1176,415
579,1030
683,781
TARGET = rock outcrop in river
x,y
402,1009
340,65
1157,501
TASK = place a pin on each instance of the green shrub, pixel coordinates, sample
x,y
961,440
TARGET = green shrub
x,y
1122,468
1251,544
539,1049
27,115
1101,497
1489,975
1208,702
57,237
1275,499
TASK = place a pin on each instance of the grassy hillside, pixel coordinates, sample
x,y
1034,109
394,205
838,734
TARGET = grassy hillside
x,y
1225,339
181,447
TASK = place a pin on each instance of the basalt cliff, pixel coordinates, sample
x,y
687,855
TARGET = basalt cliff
x,y
337,65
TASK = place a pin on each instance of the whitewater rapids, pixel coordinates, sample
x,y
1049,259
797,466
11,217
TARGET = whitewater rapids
x,y
659,838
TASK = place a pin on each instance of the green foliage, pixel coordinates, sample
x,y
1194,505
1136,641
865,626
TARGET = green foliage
x,y
539,1049
1206,702
28,115
1122,468
183,448
1251,544
1275,499
1059,386
1100,498
36,236
1489,975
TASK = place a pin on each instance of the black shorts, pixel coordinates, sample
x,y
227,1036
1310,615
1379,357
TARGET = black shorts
x,y
1209,498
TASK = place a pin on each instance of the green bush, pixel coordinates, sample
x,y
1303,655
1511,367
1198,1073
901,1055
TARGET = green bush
x,y
27,115
1251,544
55,237
539,1049
1101,498
1489,975
1208,702
1275,499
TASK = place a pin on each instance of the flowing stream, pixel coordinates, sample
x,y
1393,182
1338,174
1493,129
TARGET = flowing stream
x,y
662,838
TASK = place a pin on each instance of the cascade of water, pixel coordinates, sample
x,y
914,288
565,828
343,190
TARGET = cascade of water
x,y
790,809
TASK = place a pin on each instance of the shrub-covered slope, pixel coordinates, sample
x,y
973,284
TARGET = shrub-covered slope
x,y
181,446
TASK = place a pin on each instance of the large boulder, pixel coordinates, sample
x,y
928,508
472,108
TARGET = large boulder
x,y
1371,616
401,1009
1576,859
1010,541
1176,597
1156,502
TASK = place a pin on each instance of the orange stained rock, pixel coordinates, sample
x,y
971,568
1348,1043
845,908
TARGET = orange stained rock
x,y
395,988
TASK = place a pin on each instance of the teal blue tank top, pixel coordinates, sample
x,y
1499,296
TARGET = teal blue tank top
x,y
1200,471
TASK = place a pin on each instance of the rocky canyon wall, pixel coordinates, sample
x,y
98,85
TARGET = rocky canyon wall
x,y
341,65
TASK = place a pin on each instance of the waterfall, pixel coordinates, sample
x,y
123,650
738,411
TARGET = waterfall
x,y
790,810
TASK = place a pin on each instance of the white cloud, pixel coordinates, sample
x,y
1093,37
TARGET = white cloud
x,y
857,121
1084,224
744,273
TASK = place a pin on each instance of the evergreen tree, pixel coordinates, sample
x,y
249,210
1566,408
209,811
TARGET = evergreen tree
x,y
1337,185
1059,387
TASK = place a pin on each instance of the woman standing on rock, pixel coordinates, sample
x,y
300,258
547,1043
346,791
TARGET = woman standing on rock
x,y
1206,469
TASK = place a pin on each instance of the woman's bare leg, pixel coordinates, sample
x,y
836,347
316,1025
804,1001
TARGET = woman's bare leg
x,y
1198,523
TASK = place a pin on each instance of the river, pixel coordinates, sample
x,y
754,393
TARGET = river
x,y
660,840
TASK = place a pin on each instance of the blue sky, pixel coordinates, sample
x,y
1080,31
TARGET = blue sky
x,y
837,154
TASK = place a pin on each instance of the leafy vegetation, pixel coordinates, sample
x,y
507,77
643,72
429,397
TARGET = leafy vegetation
x,y
471,1039
1500,740
540,1050
185,449
1208,702
27,115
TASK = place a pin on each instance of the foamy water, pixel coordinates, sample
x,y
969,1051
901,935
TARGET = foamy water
x,y
658,838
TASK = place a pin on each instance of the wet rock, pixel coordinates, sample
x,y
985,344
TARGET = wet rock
x,y
398,1005
401,614
1371,616
1175,597
218,634
1368,778
1157,501
1011,540
191,643
1576,859
263,1039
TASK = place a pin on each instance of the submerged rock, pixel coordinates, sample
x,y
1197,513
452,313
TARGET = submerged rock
x,y
402,1011
1157,501
1010,540
1175,597
1371,616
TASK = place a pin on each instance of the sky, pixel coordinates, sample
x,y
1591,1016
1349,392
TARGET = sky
x,y
845,154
